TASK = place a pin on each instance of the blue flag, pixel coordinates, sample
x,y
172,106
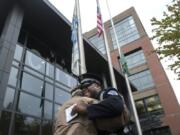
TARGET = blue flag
x,y
74,28
75,63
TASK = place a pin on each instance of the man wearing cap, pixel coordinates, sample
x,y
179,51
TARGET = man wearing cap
x,y
111,106
111,112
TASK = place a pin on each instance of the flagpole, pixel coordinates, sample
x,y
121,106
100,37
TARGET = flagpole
x,y
80,41
126,76
113,81
133,106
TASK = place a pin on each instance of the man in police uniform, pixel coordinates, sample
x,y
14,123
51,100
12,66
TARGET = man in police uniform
x,y
111,104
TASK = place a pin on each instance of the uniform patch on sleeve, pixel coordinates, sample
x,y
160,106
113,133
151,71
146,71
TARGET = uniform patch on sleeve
x,y
112,92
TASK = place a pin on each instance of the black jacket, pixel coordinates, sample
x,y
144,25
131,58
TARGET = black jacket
x,y
110,106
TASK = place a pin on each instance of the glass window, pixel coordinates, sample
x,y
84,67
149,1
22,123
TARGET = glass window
x,y
98,43
49,80
65,78
4,122
32,84
72,82
40,48
35,62
61,96
142,80
18,52
62,86
164,131
47,110
56,108
126,31
50,70
8,99
33,72
13,76
49,91
153,104
135,59
47,128
26,125
60,76
140,107
149,106
15,63
29,104
158,131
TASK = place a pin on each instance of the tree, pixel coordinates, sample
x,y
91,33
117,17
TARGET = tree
x,y
167,34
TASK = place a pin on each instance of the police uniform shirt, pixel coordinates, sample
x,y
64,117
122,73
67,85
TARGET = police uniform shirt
x,y
111,105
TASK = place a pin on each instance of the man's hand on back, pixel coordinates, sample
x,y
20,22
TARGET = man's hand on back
x,y
80,108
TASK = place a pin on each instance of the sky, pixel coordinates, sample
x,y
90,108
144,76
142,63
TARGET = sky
x,y
146,9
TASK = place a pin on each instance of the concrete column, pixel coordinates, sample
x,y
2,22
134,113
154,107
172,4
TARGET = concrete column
x,y
8,40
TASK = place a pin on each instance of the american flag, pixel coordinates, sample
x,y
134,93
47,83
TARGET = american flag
x,y
99,20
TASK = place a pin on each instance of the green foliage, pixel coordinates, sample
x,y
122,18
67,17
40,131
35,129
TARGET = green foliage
x,y
167,34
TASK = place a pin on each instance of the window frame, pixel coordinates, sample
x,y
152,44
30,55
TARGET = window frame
x,y
125,37
131,58
141,86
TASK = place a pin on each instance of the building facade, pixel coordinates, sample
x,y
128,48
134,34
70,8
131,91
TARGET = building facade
x,y
156,103
35,69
